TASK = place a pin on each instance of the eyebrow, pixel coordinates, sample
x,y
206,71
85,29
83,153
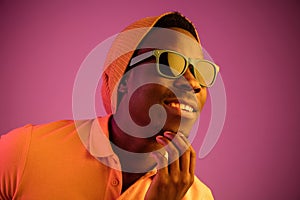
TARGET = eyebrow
x,y
142,51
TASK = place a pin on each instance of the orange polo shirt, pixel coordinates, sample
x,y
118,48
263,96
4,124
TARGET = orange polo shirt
x,y
63,160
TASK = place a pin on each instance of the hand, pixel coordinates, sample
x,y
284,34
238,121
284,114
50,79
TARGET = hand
x,y
173,180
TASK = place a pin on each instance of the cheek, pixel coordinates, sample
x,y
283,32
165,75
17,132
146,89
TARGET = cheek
x,y
141,101
146,94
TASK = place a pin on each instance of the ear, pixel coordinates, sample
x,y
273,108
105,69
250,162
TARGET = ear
x,y
123,86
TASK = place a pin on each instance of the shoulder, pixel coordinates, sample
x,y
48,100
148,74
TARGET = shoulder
x,y
16,139
14,145
53,126
13,149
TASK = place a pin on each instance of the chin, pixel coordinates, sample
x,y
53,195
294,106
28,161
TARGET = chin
x,y
182,125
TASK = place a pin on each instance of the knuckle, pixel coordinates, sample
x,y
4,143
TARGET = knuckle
x,y
193,154
192,151
186,180
188,150
176,180
176,177
192,179
164,181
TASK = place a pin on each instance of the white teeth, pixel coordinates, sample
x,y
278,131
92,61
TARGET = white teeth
x,y
182,106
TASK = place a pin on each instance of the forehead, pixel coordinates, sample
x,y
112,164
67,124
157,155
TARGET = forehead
x,y
175,39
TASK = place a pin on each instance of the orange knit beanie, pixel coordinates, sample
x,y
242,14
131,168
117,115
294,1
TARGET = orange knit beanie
x,y
120,54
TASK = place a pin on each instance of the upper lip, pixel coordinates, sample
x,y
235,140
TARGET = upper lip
x,y
184,101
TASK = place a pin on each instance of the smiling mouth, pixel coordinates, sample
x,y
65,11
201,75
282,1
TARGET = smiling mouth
x,y
185,108
182,107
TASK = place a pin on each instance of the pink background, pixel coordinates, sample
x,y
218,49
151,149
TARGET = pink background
x,y
256,43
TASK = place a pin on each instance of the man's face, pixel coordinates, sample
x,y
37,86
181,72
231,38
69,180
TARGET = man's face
x,y
176,96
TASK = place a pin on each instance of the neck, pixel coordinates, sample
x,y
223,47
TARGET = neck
x,y
132,151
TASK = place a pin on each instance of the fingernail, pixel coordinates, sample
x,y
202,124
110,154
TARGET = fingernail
x,y
160,139
169,135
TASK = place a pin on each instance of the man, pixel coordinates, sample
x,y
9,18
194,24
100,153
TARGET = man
x,y
154,87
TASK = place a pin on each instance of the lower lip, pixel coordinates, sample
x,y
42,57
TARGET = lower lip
x,y
179,112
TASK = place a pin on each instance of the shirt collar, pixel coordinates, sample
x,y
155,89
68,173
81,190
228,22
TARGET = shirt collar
x,y
94,134
99,142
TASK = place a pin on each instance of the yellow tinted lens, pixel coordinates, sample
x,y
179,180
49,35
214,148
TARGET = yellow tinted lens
x,y
171,64
204,72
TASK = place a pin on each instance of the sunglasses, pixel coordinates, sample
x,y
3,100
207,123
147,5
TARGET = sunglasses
x,y
171,64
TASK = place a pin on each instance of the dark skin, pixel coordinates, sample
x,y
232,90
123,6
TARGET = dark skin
x,y
172,180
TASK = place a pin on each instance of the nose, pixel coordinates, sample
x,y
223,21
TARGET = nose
x,y
188,82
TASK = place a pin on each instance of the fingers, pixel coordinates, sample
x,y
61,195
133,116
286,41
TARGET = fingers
x,y
181,154
179,140
173,152
193,161
162,161
186,150
176,175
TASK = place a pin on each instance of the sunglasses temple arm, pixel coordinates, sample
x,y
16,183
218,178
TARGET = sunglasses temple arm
x,y
141,57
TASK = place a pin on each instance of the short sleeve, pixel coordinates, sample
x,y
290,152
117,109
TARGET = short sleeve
x,y
13,152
